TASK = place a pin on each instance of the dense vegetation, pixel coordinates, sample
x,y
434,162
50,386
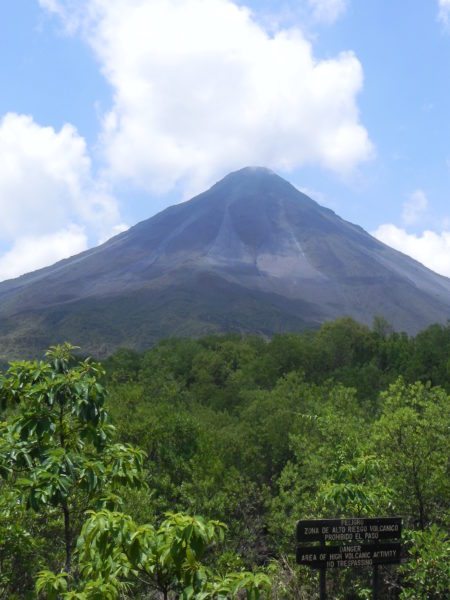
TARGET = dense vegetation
x,y
254,434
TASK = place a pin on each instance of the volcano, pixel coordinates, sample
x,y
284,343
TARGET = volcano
x,y
250,255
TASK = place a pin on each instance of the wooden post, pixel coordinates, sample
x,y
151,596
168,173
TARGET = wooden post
x,y
323,584
375,582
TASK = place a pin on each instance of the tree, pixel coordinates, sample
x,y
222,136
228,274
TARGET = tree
x,y
327,418
116,554
345,342
412,436
19,548
57,452
427,573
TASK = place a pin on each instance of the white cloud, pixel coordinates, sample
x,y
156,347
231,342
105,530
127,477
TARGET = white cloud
x,y
444,11
50,204
119,228
430,248
200,89
33,252
327,11
415,208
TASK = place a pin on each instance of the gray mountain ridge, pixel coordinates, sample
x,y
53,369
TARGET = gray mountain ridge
x,y
251,255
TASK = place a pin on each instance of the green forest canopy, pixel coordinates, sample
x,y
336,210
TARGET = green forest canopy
x,y
251,433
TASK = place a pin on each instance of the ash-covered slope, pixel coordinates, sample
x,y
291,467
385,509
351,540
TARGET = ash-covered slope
x,y
252,254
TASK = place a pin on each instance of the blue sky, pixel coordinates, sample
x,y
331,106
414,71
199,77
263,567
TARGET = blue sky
x,y
113,109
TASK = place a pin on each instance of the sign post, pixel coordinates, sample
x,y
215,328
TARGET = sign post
x,y
375,582
340,543
323,584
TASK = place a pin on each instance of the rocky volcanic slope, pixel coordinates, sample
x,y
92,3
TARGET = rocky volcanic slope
x,y
252,254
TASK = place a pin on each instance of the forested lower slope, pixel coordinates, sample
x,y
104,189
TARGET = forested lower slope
x,y
343,422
